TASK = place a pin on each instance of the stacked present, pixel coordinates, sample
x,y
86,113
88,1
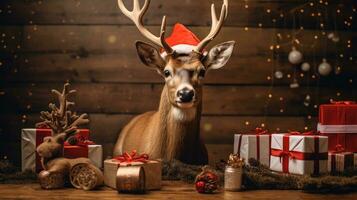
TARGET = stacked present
x,y
299,153
255,145
338,121
131,172
32,138
294,152
59,119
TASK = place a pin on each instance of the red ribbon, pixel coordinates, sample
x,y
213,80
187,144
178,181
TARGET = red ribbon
x,y
260,131
285,154
343,102
304,133
132,157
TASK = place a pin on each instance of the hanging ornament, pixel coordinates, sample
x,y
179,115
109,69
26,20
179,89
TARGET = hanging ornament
x,y
307,101
305,66
324,68
278,74
294,84
295,56
338,70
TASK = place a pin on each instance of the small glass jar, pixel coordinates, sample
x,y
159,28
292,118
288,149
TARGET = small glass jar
x,y
233,178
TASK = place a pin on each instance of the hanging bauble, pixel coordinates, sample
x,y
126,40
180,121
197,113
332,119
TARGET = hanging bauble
x,y
307,100
305,66
338,70
324,68
278,74
295,56
294,84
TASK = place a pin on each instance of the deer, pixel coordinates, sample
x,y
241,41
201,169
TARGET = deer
x,y
172,132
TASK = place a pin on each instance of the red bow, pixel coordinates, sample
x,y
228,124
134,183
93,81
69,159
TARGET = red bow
x,y
132,157
343,102
260,131
81,141
339,149
286,154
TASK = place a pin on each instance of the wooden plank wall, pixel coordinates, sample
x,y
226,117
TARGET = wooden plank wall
x,y
91,44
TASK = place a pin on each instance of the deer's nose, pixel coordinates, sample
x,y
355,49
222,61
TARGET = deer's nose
x,y
185,95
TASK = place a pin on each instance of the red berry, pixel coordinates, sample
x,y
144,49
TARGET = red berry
x,y
200,186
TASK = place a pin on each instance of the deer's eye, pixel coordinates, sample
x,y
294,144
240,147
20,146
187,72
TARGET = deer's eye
x,y
202,73
167,73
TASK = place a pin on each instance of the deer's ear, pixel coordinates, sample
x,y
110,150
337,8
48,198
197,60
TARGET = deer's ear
x,y
150,56
60,138
219,55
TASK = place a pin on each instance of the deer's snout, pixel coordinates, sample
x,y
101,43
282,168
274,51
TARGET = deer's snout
x,y
186,95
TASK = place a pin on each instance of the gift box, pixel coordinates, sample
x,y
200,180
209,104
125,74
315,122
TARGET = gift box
x,y
253,145
340,161
297,153
338,121
31,138
152,169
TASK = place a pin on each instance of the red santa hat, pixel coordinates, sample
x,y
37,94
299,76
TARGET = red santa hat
x,y
182,40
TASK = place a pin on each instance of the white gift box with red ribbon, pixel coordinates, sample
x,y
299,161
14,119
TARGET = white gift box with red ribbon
x,y
255,146
31,138
299,153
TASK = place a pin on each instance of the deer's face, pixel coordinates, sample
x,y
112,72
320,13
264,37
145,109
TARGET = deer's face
x,y
184,76
51,146
184,73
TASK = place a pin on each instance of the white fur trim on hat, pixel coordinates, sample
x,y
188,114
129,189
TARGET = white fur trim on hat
x,y
182,49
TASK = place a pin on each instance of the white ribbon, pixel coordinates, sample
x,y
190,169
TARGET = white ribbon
x,y
336,128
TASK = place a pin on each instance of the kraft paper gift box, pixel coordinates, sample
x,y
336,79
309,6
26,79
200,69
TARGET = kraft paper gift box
x,y
152,169
340,161
338,121
31,138
302,154
253,145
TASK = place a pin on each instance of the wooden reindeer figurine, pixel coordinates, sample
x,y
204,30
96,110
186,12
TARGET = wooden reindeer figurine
x,y
63,123
173,131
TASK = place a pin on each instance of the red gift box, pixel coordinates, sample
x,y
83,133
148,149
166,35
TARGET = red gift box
x,y
69,151
338,121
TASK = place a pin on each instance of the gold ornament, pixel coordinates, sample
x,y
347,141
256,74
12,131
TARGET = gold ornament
x,y
235,161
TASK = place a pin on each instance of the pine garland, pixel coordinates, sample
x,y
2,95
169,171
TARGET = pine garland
x,y
256,176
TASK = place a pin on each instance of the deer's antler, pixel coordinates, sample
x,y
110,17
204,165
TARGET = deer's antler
x,y
215,27
137,17
62,120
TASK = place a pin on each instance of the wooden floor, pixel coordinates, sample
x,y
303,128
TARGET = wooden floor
x,y
170,190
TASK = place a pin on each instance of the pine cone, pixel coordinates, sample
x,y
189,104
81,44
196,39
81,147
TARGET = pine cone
x,y
206,181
